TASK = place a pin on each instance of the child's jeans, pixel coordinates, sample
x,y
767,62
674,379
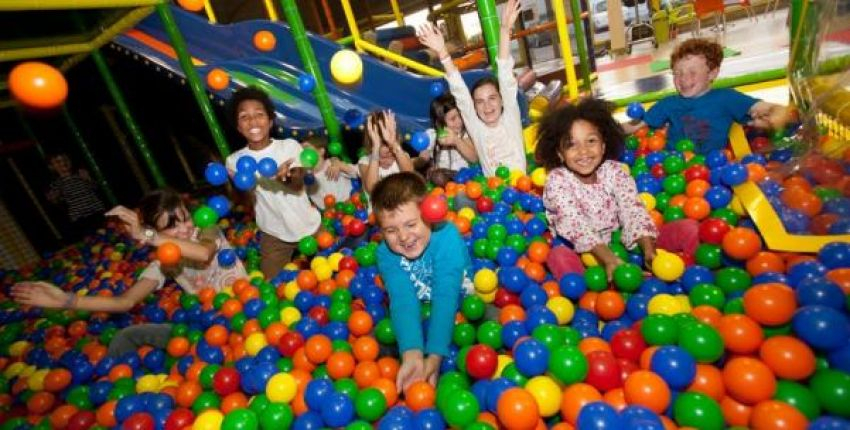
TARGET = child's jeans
x,y
676,236
131,338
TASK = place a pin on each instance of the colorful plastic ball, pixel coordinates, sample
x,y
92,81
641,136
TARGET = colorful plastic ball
x,y
546,393
531,357
216,174
832,390
434,208
562,308
267,167
337,410
517,409
741,243
697,410
835,255
306,82
599,416
604,372
821,327
191,5
647,389
264,40
38,85
204,217
675,365
481,362
240,419
437,88
244,181
628,277
168,254
460,408
748,380
420,141
309,158
667,266
218,79
209,419
568,364
308,245
346,67
701,341
635,110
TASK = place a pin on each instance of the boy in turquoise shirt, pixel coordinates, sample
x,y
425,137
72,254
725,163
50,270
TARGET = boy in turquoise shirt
x,y
418,262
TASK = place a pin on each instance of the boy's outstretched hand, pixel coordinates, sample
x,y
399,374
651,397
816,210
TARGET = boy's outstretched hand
x,y
412,369
511,13
430,36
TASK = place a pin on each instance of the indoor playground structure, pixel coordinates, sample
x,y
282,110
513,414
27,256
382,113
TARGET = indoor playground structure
x,y
751,331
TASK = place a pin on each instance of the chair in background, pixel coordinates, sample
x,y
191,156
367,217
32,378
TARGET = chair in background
x,y
733,5
706,8
680,16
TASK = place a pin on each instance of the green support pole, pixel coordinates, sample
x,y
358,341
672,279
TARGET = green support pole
x,y
127,116
84,147
490,29
581,43
192,78
311,66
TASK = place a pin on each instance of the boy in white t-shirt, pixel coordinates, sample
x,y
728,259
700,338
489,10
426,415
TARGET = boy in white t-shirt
x,y
332,175
283,210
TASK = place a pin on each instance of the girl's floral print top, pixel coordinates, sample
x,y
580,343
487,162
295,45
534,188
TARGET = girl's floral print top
x,y
587,214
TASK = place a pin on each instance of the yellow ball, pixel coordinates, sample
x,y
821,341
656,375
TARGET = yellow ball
x,y
115,256
538,177
547,393
485,281
323,272
35,382
487,297
228,290
255,342
290,315
334,260
502,361
563,309
589,260
515,175
281,388
29,370
664,304
256,274
346,67
318,261
290,266
467,213
18,348
648,200
14,369
667,266
684,303
209,419
291,290
148,384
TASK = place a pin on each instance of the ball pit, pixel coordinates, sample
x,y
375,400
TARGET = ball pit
x,y
734,335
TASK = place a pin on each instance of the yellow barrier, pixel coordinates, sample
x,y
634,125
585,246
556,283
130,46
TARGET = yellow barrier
x,y
363,45
271,10
566,47
209,11
399,18
73,4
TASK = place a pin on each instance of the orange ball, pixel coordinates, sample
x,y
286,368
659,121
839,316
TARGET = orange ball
x,y
366,373
709,381
60,416
741,243
609,305
38,85
765,261
697,188
306,280
57,379
420,395
318,348
517,409
264,40
168,254
360,323
388,389
105,414
748,380
191,5
216,335
788,357
41,402
178,346
187,392
575,397
647,389
776,415
218,79
473,190
538,251
340,365
740,333
770,304
365,348
734,412
696,208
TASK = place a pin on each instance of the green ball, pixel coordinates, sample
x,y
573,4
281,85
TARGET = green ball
x,y
673,164
662,201
497,232
549,335
674,184
240,419
308,245
684,145
275,416
517,242
632,142
618,248
342,295
571,336
707,294
79,397
490,334
454,380
568,364
195,335
696,160
832,389
702,341
339,311
365,256
335,148
673,213
207,375
384,332
779,330
346,386
798,396
321,372
370,404
340,345
204,217
463,334
259,404
473,308
709,255
206,400
479,248
461,358
359,425
512,373
734,306
285,364
628,277
697,410
596,279
268,316
725,214
733,280
660,329
188,301
309,158
122,388
461,408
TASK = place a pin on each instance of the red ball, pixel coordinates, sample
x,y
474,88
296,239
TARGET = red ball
x,y
434,208
139,421
760,144
289,343
484,205
627,367
712,230
319,314
603,371
226,381
628,344
348,263
481,362
697,171
82,420
505,297
356,227
179,419
657,171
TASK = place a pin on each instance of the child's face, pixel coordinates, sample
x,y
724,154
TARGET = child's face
x,y
454,122
183,227
488,104
253,123
61,165
386,157
405,231
585,152
692,76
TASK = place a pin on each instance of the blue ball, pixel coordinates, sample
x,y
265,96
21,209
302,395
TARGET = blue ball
x,y
306,82
244,181
531,358
429,419
636,306
353,118
675,366
337,410
127,406
437,88
572,286
246,163
309,179
226,257
842,226
821,327
512,332
599,416
267,167
835,255
840,358
718,196
216,174
734,174
420,141
219,204
317,392
309,420
513,279
636,416
635,110
715,158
